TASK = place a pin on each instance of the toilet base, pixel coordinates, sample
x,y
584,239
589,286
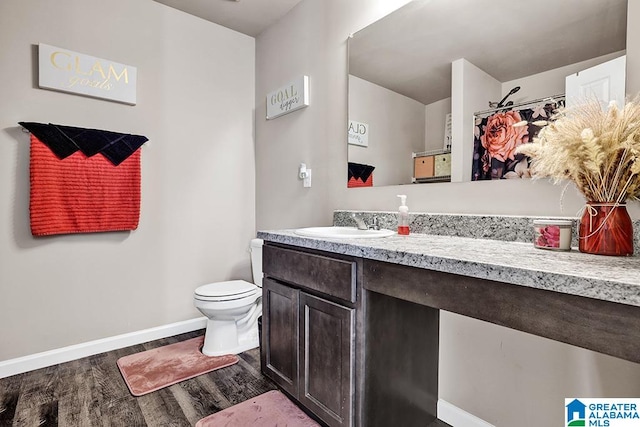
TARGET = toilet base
x,y
242,346
223,337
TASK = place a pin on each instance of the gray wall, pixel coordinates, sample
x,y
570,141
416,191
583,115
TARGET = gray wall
x,y
195,103
311,40
505,377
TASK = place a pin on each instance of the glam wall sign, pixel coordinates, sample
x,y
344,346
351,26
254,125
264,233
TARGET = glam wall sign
x,y
358,133
288,98
73,72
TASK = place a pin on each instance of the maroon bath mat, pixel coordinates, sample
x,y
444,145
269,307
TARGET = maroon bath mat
x,y
161,367
269,409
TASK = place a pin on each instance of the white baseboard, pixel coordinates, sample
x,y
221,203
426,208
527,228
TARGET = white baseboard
x,y
456,417
77,351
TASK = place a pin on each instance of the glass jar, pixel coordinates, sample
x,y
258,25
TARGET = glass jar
x,y
606,229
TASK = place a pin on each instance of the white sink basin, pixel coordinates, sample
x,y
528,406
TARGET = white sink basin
x,y
342,233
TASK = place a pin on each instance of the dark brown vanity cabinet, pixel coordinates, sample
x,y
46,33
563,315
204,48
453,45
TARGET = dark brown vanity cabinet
x,y
309,323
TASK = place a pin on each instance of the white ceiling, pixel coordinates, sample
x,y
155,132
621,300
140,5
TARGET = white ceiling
x,y
410,51
250,17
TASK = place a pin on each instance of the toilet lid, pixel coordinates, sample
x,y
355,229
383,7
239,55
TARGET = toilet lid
x,y
232,288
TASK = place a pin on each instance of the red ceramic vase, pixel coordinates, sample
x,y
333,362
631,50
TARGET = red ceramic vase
x,y
606,229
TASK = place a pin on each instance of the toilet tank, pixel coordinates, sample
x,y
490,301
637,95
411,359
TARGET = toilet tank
x,y
256,260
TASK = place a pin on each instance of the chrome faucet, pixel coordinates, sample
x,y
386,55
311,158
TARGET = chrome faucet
x,y
375,225
362,225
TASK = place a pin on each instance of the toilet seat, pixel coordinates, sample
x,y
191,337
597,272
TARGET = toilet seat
x,y
226,291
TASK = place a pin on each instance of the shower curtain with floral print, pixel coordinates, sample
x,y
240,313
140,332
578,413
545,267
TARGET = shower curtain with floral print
x,y
496,139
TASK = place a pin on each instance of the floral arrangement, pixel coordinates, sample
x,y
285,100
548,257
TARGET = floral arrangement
x,y
598,149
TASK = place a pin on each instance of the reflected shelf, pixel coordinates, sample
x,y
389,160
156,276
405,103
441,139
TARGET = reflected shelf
x,y
446,178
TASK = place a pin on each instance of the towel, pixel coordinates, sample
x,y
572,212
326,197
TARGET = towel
x,y
360,175
360,171
356,183
58,142
66,140
80,194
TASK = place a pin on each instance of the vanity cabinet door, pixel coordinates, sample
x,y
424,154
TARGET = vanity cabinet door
x,y
327,345
280,334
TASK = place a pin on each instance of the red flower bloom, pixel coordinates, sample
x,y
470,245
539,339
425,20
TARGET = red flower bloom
x,y
501,138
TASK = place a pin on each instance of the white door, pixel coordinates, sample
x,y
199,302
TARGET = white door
x,y
605,82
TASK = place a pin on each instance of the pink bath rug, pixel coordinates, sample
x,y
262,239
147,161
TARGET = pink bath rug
x,y
267,410
161,367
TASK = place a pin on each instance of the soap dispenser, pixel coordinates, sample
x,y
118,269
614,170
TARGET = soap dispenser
x,y
403,216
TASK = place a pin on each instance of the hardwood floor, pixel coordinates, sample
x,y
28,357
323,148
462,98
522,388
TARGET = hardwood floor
x,y
91,392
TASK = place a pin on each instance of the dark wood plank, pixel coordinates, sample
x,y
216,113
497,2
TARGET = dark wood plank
x,y
161,408
9,393
236,385
251,376
49,414
602,326
77,401
198,398
37,390
251,360
116,404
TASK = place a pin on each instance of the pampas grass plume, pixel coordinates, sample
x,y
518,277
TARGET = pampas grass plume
x,y
599,150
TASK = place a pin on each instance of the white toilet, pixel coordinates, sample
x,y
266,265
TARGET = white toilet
x,y
233,309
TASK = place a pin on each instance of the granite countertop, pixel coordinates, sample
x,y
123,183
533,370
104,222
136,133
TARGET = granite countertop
x,y
615,279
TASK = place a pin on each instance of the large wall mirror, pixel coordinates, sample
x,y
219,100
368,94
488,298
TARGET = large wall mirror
x,y
422,78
